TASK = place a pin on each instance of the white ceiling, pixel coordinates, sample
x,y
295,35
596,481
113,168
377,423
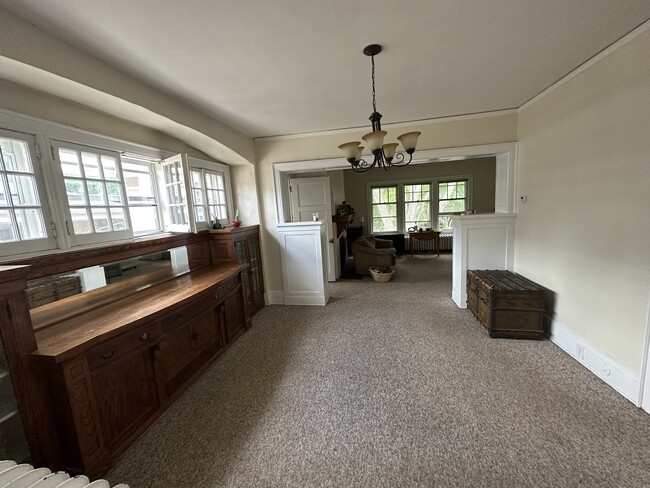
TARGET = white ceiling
x,y
293,66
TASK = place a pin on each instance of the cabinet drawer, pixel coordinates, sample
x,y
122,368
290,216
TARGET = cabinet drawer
x,y
226,288
184,315
125,343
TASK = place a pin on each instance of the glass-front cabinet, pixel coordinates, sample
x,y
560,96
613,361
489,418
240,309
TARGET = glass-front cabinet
x,y
12,439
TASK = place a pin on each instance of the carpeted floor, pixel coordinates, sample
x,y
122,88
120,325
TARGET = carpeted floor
x,y
391,385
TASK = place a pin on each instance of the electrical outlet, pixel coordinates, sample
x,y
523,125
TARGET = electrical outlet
x,y
580,351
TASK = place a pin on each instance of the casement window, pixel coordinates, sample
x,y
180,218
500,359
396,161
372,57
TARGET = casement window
x,y
97,190
25,221
384,209
452,199
141,191
417,206
96,203
209,196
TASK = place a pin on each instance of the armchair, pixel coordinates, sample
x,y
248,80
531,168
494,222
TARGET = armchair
x,y
368,251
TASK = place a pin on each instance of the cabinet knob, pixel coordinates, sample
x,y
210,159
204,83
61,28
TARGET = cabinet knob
x,y
107,355
145,336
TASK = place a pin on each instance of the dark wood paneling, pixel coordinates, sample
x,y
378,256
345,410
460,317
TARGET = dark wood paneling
x,y
126,395
242,245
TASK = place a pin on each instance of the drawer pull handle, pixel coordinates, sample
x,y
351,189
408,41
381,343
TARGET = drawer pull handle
x,y
107,355
145,336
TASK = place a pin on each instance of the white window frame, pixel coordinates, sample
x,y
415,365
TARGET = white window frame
x,y
405,203
399,219
93,237
180,203
152,165
468,196
401,229
32,245
52,195
219,168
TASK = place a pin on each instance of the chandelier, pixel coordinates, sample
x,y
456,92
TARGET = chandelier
x,y
384,155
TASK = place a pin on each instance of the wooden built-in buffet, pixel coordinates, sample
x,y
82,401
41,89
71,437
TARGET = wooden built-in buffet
x,y
93,371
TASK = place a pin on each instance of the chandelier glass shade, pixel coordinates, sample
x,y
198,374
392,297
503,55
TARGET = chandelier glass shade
x,y
383,155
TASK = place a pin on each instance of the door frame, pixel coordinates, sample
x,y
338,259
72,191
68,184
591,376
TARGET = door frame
x,y
504,191
330,239
644,383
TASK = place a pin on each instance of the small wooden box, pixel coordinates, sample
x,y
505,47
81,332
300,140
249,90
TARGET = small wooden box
x,y
506,304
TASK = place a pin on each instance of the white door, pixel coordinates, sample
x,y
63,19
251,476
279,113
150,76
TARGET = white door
x,y
311,196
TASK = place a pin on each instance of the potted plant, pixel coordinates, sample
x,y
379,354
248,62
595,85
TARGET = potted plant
x,y
344,213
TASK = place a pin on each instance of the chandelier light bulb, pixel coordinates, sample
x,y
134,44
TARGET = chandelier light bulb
x,y
409,141
375,140
351,150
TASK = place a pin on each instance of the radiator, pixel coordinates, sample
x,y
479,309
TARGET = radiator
x,y
26,476
446,244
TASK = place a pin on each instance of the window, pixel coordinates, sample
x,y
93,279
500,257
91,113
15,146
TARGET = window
x,y
452,198
400,205
216,191
95,189
209,195
96,200
23,220
210,188
198,195
417,206
140,182
384,209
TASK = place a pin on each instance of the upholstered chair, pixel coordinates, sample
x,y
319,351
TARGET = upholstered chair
x,y
369,251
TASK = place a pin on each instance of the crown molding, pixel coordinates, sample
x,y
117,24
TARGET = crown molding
x,y
396,125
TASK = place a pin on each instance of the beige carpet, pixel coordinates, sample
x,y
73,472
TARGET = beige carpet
x,y
391,385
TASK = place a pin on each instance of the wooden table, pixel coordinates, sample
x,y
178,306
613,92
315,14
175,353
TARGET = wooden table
x,y
425,235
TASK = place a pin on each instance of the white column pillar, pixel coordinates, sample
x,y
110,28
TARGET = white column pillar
x,y
304,262
483,241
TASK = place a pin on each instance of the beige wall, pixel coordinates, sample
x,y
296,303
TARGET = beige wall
x,y
461,132
244,193
584,233
483,172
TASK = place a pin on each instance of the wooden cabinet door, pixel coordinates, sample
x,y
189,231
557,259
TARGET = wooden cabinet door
x,y
126,396
176,351
204,330
233,315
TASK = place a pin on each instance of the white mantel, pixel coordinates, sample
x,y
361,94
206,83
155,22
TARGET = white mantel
x,y
482,241
304,262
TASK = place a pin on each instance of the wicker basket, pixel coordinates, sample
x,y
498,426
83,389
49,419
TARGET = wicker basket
x,y
381,276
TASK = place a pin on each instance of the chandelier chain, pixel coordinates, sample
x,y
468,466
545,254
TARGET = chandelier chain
x,y
374,103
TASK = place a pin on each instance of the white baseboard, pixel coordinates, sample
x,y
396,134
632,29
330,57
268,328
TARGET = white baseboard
x,y
621,378
306,299
274,298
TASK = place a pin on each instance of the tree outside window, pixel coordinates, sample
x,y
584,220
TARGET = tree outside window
x,y
452,199
384,209
417,206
